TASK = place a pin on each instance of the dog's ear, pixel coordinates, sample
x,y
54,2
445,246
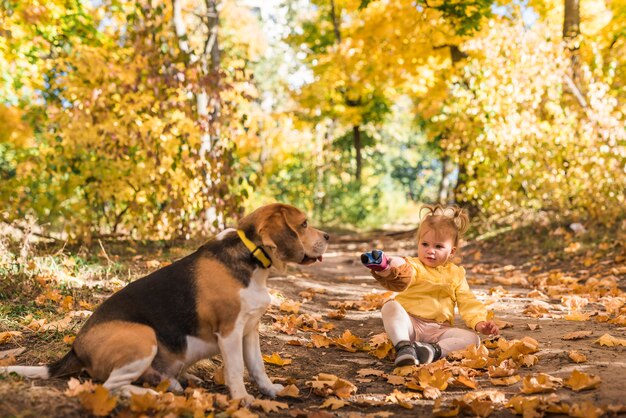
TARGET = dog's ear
x,y
280,238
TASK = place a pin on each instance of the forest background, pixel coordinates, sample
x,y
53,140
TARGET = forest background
x,y
160,120
132,131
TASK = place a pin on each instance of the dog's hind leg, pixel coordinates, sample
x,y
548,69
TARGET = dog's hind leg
x,y
117,353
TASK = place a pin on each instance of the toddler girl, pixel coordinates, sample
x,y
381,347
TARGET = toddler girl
x,y
419,320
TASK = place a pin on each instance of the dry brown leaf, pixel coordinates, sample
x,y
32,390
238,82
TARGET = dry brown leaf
x,y
218,376
577,356
348,342
320,341
449,411
144,403
506,368
99,402
268,405
402,398
578,381
243,413
392,379
276,359
74,387
585,409
338,314
540,382
290,391
610,341
533,327
475,357
578,316
467,381
370,372
334,403
576,335
290,306
10,336
506,381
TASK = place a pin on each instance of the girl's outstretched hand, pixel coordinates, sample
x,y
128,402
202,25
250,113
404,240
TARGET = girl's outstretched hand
x,y
487,328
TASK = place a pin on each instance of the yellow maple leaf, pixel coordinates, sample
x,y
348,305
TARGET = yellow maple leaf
x,y
144,403
8,336
269,405
334,403
290,391
578,316
275,358
577,356
320,341
99,402
540,382
582,381
290,306
585,409
449,411
576,335
610,341
506,381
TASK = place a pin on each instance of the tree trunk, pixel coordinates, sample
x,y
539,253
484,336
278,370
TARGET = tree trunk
x,y
356,130
571,36
209,60
444,184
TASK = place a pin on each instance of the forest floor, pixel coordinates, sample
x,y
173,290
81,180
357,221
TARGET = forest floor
x,y
325,326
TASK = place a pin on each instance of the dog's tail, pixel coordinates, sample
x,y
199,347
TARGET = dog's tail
x,y
68,365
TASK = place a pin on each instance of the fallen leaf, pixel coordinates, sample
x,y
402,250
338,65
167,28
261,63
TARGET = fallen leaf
x,y
290,306
506,381
290,391
334,403
10,336
99,402
540,382
370,372
577,356
577,335
610,341
585,410
449,411
275,358
578,316
268,405
582,381
74,387
320,341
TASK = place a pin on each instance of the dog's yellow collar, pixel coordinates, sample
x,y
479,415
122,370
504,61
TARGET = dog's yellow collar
x,y
256,251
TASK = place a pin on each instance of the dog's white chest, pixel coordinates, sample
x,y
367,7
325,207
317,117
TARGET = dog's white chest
x,y
254,301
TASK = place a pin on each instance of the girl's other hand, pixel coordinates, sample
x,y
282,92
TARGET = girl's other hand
x,y
488,328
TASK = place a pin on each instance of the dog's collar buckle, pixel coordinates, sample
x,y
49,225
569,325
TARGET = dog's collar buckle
x,y
257,252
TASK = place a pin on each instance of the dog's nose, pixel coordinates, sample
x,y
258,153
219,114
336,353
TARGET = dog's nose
x,y
326,236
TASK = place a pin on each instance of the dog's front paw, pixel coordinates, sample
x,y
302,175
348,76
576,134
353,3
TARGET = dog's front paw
x,y
246,400
272,389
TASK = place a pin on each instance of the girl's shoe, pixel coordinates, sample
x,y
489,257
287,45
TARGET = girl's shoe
x,y
405,354
427,352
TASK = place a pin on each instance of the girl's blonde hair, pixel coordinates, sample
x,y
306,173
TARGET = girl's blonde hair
x,y
444,220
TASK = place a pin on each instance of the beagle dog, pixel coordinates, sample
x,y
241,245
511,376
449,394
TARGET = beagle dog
x,y
206,303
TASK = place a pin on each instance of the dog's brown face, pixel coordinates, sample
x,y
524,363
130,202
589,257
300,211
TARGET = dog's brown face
x,y
286,234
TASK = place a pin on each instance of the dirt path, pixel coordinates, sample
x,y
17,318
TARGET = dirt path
x,y
341,279
344,279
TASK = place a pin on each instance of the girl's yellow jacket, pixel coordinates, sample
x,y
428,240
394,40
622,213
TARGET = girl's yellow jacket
x,y
432,293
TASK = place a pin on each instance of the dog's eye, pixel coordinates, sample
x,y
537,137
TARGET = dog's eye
x,y
304,224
